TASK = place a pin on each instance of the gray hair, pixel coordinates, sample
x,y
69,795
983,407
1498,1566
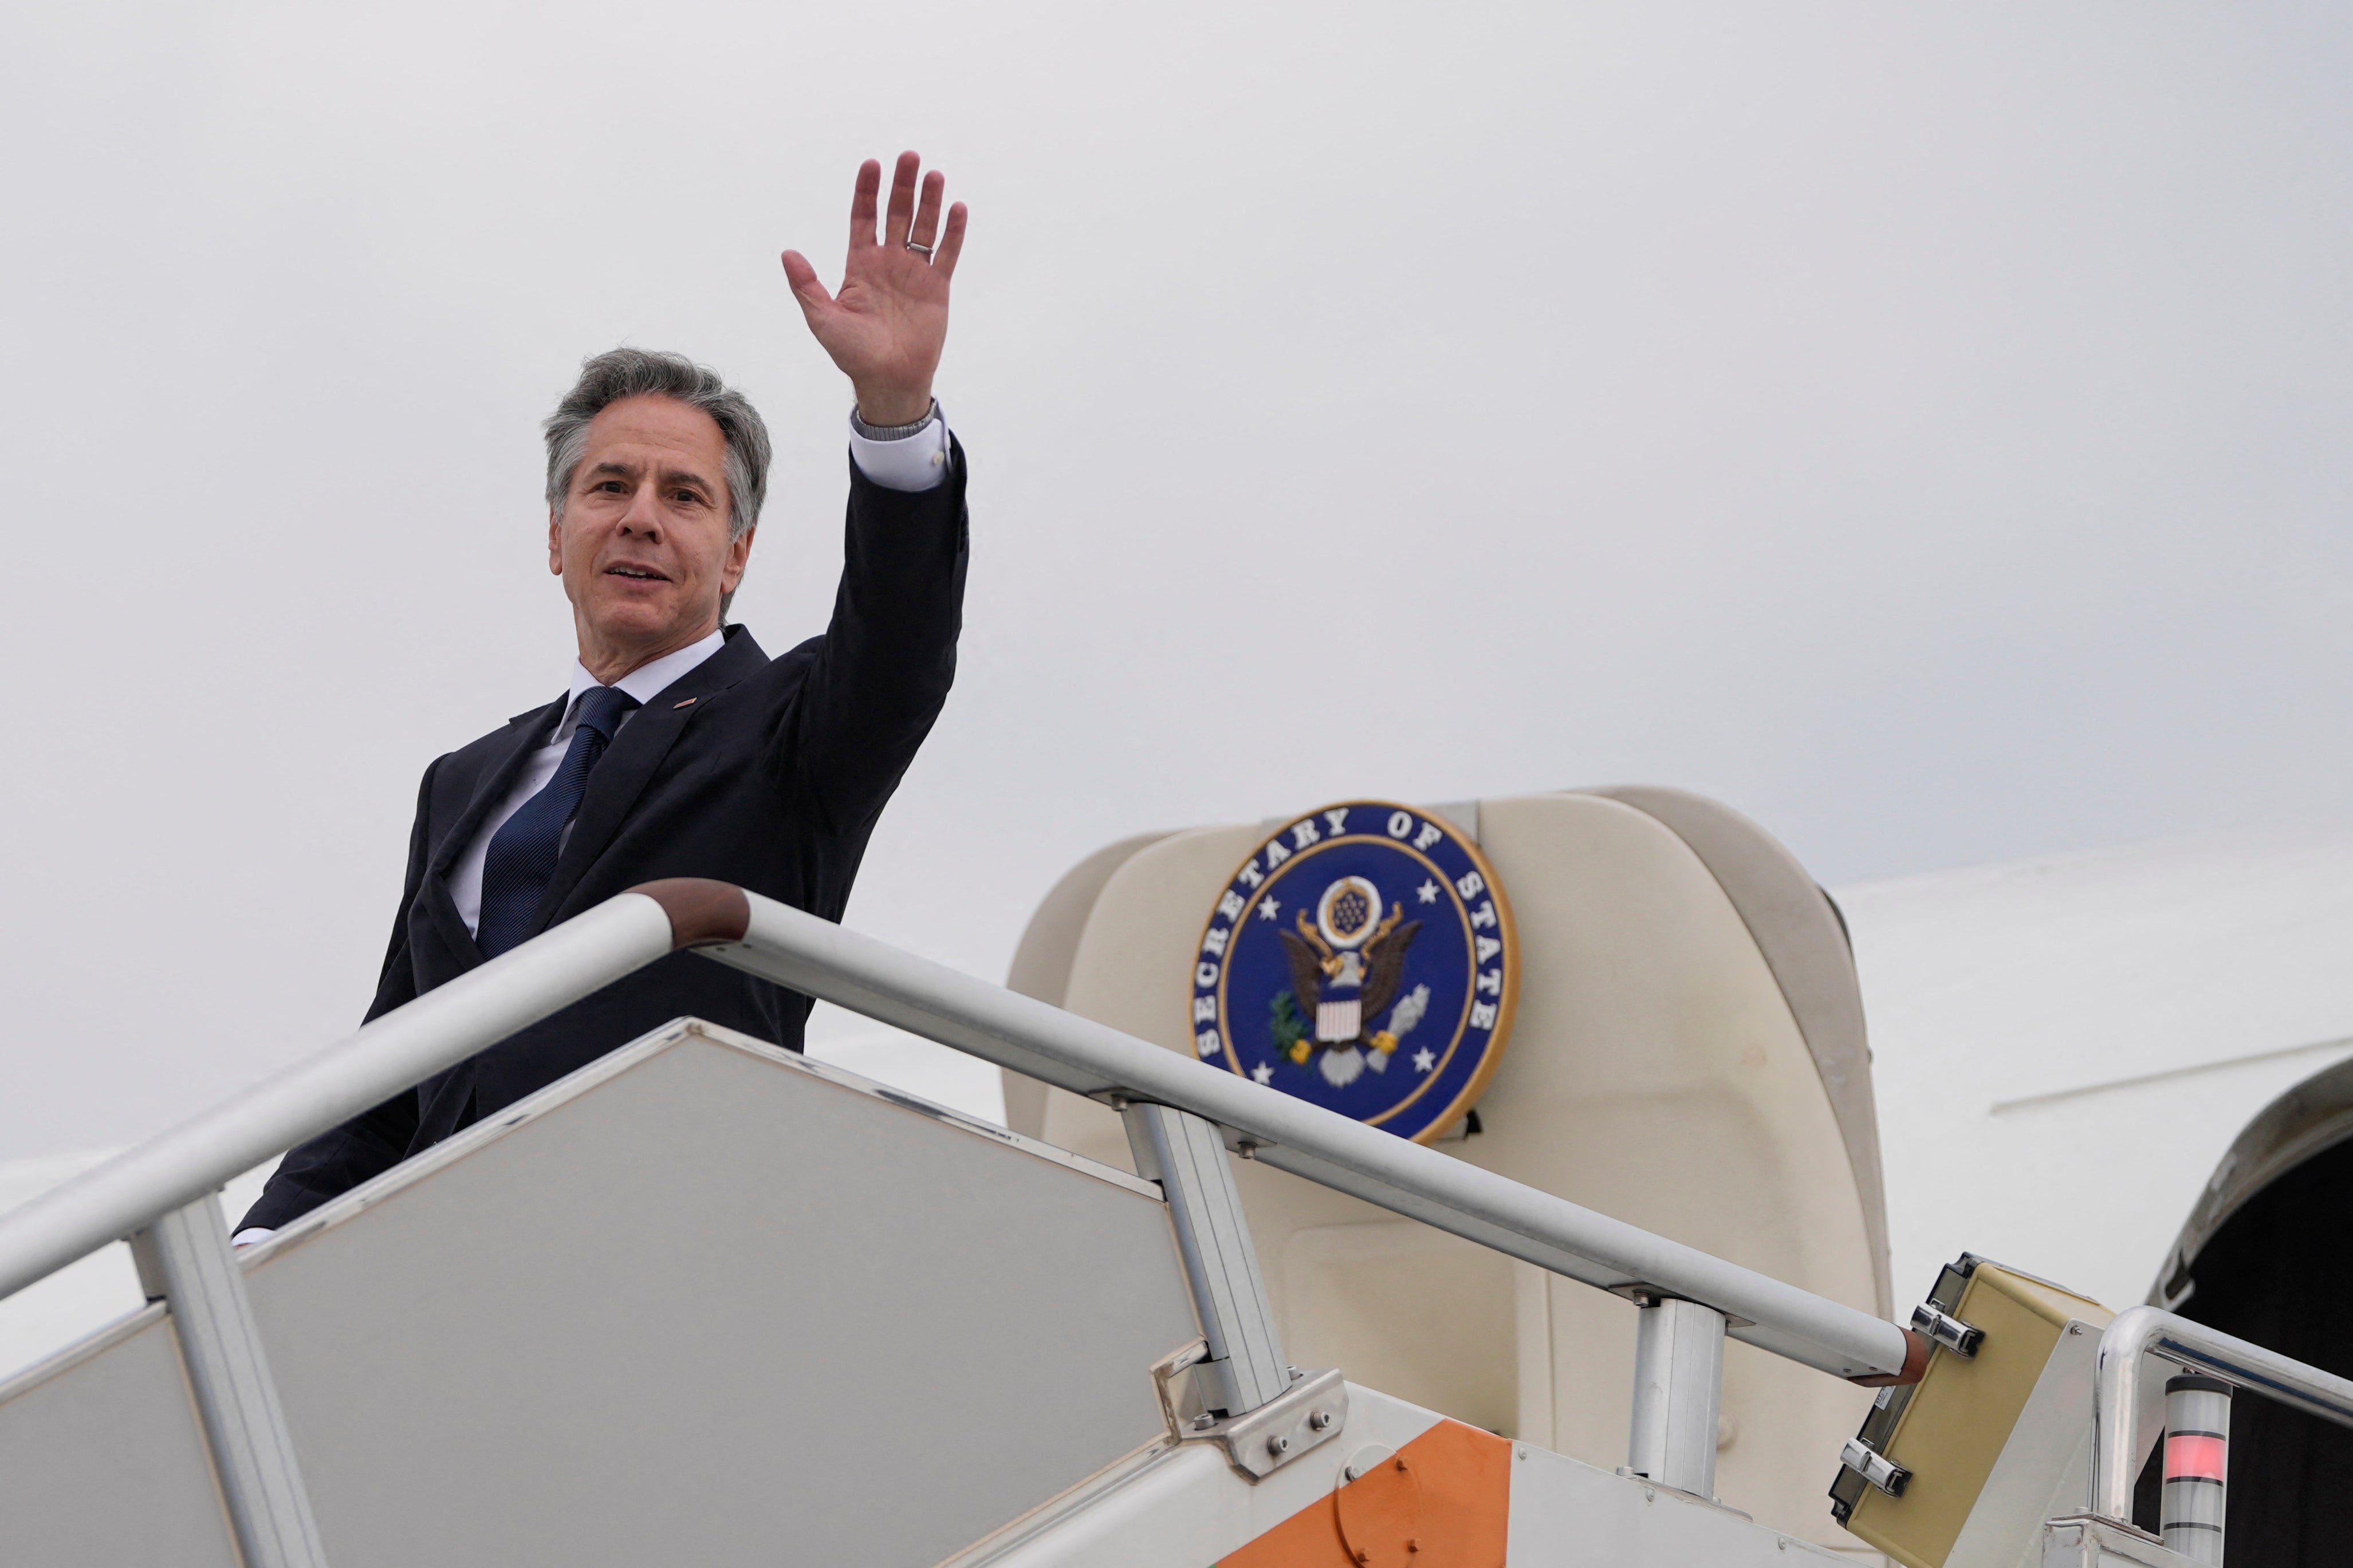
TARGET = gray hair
x,y
624,372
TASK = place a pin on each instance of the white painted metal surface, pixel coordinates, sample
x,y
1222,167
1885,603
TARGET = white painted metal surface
x,y
1568,1515
2097,1543
1183,1508
511,1350
103,1461
2064,1048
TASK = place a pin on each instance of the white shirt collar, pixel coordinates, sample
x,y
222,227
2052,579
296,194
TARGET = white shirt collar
x,y
645,683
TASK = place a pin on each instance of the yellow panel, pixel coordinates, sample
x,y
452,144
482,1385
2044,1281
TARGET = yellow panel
x,y
1961,1414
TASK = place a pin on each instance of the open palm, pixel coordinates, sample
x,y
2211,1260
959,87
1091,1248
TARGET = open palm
x,y
886,326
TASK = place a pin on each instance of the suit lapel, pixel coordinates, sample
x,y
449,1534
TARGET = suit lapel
x,y
526,732
621,775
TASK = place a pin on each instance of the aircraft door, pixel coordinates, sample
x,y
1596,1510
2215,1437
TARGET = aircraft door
x,y
2264,1257
1687,1056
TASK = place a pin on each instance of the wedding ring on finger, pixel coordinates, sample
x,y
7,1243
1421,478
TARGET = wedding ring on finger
x,y
923,250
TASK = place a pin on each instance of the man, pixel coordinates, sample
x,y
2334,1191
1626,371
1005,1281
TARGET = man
x,y
681,749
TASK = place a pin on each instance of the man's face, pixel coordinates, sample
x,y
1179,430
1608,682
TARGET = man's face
x,y
641,542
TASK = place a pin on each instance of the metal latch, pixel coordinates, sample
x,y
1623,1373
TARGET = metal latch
x,y
1875,1467
1947,1331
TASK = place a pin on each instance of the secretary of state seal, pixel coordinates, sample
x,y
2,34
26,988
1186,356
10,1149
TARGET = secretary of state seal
x,y
680,747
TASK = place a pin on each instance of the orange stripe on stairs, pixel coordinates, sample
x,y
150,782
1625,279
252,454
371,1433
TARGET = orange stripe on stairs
x,y
1443,1501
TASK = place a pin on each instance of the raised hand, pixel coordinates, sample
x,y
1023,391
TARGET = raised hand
x,y
886,327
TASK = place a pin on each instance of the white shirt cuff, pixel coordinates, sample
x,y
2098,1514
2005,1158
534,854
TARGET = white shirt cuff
x,y
914,462
247,1236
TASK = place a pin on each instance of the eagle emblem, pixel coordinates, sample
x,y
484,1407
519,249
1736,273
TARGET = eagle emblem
x,y
1361,958
1344,969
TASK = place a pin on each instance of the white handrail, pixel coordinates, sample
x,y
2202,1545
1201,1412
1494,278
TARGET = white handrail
x,y
2139,1331
823,960
398,1051
820,959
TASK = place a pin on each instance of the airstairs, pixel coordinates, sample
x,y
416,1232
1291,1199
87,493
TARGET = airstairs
x,y
706,1301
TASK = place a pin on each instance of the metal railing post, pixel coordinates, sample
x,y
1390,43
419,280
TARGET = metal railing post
x,y
1678,1386
2139,1332
1185,1156
200,1279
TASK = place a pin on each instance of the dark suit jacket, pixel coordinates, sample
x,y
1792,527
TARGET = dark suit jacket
x,y
772,778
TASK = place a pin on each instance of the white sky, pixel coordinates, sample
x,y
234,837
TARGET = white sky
x,y
1921,426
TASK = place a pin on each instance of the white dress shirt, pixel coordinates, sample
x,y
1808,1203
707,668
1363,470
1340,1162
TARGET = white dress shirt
x,y
907,457
904,457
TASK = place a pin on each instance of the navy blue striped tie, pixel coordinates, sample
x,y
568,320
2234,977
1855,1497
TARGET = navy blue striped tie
x,y
520,860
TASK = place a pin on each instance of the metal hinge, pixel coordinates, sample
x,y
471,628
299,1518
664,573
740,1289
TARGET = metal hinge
x,y
1874,1467
1947,1331
1265,1439
1257,1442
